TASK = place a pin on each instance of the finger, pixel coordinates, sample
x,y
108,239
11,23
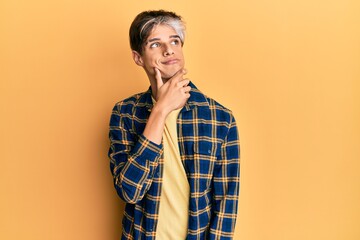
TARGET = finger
x,y
187,89
184,82
159,81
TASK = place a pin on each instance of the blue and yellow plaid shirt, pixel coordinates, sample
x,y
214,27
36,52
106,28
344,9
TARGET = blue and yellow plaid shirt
x,y
209,150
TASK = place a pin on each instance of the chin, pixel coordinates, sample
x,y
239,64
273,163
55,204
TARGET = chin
x,y
166,74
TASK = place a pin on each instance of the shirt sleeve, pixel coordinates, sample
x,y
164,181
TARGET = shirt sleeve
x,y
133,158
226,184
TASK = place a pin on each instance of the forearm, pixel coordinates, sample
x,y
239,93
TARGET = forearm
x,y
223,221
155,125
169,96
133,157
133,171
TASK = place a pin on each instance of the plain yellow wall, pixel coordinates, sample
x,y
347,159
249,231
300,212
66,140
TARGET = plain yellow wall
x,y
289,70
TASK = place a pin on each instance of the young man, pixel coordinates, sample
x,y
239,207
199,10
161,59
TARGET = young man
x,y
174,153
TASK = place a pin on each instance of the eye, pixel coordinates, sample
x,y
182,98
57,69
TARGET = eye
x,y
154,45
175,42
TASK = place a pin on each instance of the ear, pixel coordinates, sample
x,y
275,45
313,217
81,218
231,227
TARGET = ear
x,y
137,58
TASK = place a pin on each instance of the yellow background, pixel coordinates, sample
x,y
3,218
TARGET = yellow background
x,y
289,70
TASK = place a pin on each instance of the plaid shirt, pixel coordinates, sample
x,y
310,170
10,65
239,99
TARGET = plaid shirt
x,y
209,150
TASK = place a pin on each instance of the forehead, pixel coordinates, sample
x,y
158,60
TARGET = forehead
x,y
161,31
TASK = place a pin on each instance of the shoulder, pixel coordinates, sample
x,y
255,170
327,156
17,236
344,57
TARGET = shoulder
x,y
218,110
218,106
222,113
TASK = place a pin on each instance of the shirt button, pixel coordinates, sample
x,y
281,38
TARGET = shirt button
x,y
209,151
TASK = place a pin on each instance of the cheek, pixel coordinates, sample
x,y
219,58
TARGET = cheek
x,y
180,53
149,65
157,62
153,62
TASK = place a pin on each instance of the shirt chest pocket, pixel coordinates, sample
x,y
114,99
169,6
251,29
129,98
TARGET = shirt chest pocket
x,y
203,161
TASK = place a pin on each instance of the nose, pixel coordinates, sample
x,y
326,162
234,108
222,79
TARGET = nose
x,y
168,50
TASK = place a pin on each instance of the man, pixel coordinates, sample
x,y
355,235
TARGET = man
x,y
174,153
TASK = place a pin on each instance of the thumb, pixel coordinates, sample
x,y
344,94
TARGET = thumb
x,y
159,81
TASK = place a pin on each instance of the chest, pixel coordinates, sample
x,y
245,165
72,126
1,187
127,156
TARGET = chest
x,y
200,135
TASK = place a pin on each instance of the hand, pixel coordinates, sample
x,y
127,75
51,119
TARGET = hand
x,y
174,93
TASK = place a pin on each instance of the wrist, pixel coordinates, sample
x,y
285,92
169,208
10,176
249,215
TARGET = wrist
x,y
160,110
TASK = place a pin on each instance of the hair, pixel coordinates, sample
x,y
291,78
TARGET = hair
x,y
146,21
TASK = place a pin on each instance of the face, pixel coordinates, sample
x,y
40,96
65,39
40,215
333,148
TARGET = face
x,y
162,50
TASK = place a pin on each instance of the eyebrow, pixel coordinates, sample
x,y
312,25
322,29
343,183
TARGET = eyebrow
x,y
157,39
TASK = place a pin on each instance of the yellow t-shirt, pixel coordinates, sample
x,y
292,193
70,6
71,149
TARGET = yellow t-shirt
x,y
175,192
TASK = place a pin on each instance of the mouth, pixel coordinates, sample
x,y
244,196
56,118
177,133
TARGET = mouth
x,y
170,61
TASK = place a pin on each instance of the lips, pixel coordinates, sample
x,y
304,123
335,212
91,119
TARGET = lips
x,y
170,61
